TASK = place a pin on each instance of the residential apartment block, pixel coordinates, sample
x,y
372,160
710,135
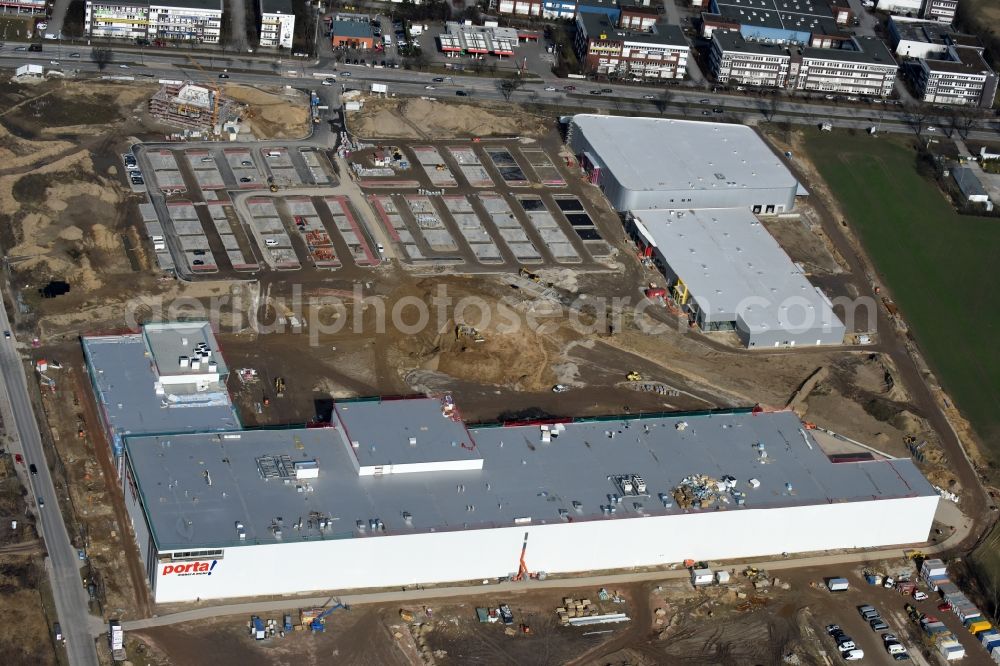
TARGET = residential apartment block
x,y
607,50
181,20
277,23
860,66
962,77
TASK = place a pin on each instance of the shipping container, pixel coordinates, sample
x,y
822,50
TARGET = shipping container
x,y
702,576
978,625
932,567
837,584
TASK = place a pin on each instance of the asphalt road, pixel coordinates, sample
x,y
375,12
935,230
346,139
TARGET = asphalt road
x,y
62,564
691,102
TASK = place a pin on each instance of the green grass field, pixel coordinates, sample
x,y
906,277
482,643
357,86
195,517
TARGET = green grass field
x,y
938,264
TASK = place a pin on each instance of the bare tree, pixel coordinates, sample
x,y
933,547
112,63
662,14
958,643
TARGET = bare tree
x,y
662,101
101,57
507,87
965,120
916,116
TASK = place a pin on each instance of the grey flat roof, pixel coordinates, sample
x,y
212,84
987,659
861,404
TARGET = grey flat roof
x,y
167,342
813,16
732,41
276,6
126,381
871,50
596,24
190,4
968,181
522,478
380,431
350,28
733,265
653,154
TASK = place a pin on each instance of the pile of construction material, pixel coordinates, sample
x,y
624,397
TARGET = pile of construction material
x,y
575,608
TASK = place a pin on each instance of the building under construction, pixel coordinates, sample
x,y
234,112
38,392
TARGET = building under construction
x,y
402,491
193,107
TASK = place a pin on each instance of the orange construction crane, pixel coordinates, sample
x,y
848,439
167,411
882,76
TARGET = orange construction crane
x,y
522,570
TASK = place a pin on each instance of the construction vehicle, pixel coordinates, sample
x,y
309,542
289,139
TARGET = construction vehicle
x,y
522,569
525,273
634,376
463,331
319,615
288,622
271,184
279,387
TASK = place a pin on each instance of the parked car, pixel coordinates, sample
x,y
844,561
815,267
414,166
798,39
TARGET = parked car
x,y
919,595
832,629
649,96
704,101
6,335
246,180
438,79
18,458
429,88
345,73
327,82
570,88
867,612
74,55
550,88
878,624
461,93
41,502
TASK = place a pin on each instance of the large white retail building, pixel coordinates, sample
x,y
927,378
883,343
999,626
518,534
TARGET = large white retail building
x,y
397,492
267,512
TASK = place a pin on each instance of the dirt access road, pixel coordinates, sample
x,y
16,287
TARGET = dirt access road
x,y
976,504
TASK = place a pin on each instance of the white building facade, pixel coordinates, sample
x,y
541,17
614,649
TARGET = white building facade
x,y
746,63
462,555
827,70
277,24
183,20
963,78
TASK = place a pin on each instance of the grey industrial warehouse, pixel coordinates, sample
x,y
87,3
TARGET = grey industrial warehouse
x,y
689,192
397,492
730,274
645,163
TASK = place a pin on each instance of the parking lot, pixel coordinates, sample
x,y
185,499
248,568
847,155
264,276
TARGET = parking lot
x,y
841,608
485,206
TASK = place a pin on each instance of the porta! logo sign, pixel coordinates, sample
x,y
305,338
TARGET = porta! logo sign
x,y
190,569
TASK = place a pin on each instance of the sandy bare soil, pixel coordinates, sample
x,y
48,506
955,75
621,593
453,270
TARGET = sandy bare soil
x,y
273,113
426,119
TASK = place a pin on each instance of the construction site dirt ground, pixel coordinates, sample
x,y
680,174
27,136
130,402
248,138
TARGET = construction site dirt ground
x,y
759,620
26,610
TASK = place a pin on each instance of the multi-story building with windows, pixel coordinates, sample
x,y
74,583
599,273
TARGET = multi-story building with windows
x,y
961,77
607,50
23,6
277,23
521,7
181,20
735,60
941,10
862,66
